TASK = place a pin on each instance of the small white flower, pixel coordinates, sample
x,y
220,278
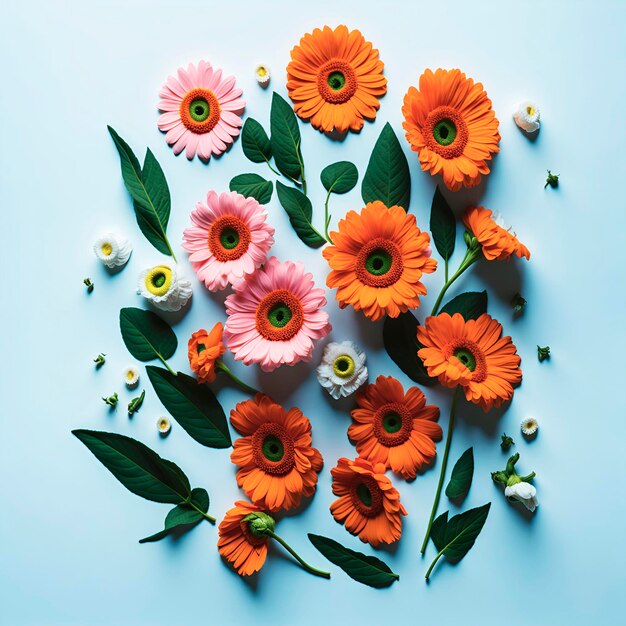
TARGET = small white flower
x,y
527,117
112,250
262,73
165,287
131,376
342,370
529,426
164,425
524,493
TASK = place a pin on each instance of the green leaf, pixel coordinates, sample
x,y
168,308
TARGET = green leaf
x,y
137,467
364,569
253,185
387,177
192,405
455,537
300,213
146,335
285,138
183,517
471,305
255,142
462,473
339,177
400,340
442,225
150,193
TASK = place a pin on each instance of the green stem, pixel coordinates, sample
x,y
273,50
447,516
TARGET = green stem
x,y
444,465
446,266
171,371
271,168
221,367
169,247
295,555
432,565
207,517
471,256
327,217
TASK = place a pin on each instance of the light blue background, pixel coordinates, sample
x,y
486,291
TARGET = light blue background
x,y
69,553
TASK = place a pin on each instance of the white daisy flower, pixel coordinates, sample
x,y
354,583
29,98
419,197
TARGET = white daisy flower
x,y
523,492
165,287
164,425
527,117
262,73
529,426
131,376
112,250
342,370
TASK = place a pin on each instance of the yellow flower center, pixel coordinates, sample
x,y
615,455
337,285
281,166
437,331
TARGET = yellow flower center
x,y
130,375
261,72
344,366
530,110
159,280
107,248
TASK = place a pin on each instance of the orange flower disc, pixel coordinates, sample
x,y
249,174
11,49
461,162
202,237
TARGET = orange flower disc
x,y
200,110
279,315
229,238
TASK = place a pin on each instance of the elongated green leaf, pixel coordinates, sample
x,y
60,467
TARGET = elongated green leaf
x,y
300,213
255,142
400,340
339,177
192,405
285,138
387,177
462,474
146,335
471,305
183,517
137,467
442,225
364,569
253,185
455,537
150,193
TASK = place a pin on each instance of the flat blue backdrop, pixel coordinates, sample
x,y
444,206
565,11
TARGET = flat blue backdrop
x,y
69,552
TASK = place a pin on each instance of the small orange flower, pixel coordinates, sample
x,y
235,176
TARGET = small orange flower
x,y
368,504
497,242
335,79
394,428
449,122
278,465
203,350
237,544
377,260
472,354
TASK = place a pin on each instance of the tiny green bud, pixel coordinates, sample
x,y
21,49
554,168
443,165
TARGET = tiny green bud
x,y
507,442
543,353
499,477
470,240
260,524
112,400
135,404
552,180
88,284
518,303
100,360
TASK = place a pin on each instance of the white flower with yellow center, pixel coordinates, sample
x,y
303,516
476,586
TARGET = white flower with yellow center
x,y
342,370
131,376
527,117
112,250
164,425
529,426
165,287
262,73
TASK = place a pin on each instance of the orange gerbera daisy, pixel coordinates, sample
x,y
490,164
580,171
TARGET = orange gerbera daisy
x,y
335,79
377,260
278,465
472,354
449,122
497,242
237,544
203,350
369,505
394,428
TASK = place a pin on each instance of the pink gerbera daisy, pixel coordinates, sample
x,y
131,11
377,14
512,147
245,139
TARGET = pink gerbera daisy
x,y
275,315
200,111
229,239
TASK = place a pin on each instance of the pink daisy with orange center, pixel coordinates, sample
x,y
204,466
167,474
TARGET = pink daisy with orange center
x,y
200,111
229,238
275,315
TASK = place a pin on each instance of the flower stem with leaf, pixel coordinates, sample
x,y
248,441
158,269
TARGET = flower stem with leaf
x,y
220,366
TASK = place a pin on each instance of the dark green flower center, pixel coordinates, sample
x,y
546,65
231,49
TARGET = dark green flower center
x,y
201,348
279,315
378,262
392,422
199,109
229,238
272,448
158,279
342,364
444,132
336,81
364,494
467,358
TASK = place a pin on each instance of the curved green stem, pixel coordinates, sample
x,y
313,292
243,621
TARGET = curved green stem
x,y
432,565
327,217
295,555
471,256
220,366
207,517
271,168
444,465
171,371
